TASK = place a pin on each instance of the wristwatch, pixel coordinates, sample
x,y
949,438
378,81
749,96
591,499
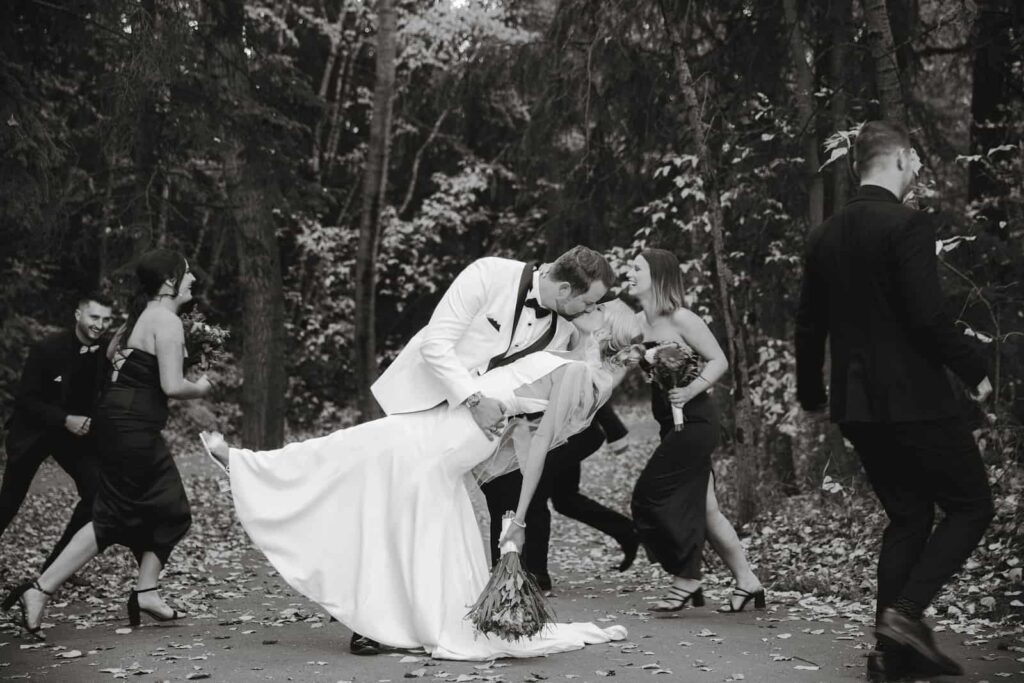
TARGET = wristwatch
x,y
473,400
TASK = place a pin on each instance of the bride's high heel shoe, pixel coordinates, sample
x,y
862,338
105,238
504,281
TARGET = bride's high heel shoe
x,y
135,610
18,596
210,441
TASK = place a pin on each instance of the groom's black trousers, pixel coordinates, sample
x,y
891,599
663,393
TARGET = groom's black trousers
x,y
914,466
559,483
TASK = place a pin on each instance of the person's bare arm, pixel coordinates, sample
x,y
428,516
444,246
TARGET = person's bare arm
x,y
698,336
564,385
169,338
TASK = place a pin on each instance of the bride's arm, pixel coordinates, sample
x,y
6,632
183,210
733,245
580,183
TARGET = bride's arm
x,y
568,386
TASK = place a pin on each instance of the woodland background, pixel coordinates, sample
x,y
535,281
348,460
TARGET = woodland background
x,y
328,166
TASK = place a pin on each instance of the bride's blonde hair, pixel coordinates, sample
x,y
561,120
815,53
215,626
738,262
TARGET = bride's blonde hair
x,y
621,328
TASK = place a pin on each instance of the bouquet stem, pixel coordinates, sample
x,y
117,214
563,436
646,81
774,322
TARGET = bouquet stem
x,y
678,419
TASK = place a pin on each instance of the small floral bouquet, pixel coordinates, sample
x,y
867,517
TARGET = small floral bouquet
x,y
670,365
204,341
512,605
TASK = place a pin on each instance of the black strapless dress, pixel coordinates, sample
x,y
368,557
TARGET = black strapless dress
x,y
670,497
141,502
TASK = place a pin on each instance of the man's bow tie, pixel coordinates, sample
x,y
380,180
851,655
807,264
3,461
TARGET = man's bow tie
x,y
89,349
538,310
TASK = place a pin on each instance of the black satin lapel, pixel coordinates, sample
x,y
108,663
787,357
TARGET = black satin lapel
x,y
525,282
538,345
67,363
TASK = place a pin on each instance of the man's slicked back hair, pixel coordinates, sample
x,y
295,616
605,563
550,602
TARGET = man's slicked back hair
x,y
581,267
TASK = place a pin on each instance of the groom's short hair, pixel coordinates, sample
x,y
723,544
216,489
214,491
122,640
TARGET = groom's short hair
x,y
876,139
581,267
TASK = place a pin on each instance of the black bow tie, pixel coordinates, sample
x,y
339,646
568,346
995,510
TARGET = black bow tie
x,y
538,310
88,349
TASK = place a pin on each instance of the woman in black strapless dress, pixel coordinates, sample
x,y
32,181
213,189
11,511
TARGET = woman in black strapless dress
x,y
141,502
674,505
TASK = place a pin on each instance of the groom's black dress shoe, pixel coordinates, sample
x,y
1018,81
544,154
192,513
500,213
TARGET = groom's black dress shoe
x,y
361,645
898,632
543,581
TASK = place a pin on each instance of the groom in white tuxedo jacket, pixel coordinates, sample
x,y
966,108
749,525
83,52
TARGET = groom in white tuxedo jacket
x,y
495,311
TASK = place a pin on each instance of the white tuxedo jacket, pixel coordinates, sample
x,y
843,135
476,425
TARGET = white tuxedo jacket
x,y
471,326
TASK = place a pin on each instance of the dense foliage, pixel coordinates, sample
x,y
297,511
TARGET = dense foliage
x,y
519,128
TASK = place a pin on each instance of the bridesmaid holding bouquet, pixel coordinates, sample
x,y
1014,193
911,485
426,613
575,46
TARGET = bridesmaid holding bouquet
x,y
674,504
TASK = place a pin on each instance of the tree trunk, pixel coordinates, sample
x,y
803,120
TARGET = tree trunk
x,y
144,144
842,36
990,69
316,158
887,74
747,422
374,187
808,123
246,186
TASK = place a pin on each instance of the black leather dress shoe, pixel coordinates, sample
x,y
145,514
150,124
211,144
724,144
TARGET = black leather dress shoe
x,y
888,666
543,581
899,664
897,631
362,646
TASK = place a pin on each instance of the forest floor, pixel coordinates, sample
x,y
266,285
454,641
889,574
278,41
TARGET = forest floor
x,y
814,553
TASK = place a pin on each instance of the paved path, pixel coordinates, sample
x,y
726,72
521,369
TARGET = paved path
x,y
254,628
272,635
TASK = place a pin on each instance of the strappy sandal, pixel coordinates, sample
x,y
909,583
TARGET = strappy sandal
x,y
135,610
18,596
757,596
679,597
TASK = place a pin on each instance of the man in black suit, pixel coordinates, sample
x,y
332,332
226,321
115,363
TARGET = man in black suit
x,y
560,483
871,286
52,414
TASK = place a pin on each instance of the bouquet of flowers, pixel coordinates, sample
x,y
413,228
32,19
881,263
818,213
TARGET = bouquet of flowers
x,y
512,605
670,365
205,342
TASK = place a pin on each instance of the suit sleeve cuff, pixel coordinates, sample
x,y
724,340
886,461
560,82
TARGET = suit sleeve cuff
x,y
461,392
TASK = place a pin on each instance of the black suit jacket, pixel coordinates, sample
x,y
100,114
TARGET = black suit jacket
x,y
40,400
871,286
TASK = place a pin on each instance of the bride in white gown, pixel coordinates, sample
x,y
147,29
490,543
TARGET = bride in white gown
x,y
376,524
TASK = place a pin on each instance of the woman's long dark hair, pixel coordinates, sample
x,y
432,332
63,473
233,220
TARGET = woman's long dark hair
x,y
666,280
152,270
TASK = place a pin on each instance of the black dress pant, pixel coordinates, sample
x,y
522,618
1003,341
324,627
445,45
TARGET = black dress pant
x,y
914,466
76,456
559,483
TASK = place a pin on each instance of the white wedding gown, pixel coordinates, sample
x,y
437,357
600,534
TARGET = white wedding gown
x,y
375,524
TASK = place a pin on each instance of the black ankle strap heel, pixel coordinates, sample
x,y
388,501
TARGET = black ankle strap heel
x,y
135,610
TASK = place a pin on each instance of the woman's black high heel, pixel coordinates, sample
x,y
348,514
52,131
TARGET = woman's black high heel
x,y
18,596
135,611
677,594
757,596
